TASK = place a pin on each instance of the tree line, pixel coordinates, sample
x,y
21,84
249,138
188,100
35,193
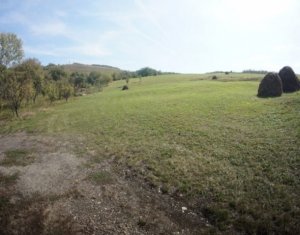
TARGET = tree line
x,y
22,81
255,71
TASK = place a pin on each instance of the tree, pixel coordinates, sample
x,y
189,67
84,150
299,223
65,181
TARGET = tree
x,y
78,79
51,91
105,79
56,73
147,72
93,78
15,87
2,70
116,76
33,69
65,90
11,51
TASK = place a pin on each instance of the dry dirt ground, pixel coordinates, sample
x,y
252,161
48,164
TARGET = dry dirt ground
x,y
47,187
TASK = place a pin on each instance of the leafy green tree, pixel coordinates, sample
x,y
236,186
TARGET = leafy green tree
x,y
2,71
51,90
147,72
15,87
2,68
33,69
11,51
65,90
78,79
93,78
56,73
116,76
105,79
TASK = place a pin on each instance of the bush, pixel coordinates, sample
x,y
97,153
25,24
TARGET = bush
x,y
290,82
51,91
214,77
125,87
270,86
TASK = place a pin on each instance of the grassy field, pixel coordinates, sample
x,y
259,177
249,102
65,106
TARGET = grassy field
x,y
233,156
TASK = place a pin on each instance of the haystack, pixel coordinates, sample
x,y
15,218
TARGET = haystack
x,y
290,82
270,86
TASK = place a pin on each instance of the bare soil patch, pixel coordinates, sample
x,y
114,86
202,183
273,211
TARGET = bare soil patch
x,y
60,192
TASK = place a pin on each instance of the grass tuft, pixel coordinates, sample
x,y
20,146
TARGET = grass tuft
x,y
101,177
7,180
17,157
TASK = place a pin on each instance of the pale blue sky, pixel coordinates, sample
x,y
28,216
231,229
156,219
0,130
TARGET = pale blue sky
x,y
171,35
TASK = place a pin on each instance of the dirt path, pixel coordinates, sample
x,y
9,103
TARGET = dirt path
x,y
46,188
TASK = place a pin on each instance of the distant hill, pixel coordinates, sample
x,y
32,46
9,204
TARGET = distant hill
x,y
85,68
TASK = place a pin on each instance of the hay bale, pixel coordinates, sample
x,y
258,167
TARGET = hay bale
x,y
125,87
290,82
270,86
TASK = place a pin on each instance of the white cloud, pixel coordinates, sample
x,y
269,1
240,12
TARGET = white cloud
x,y
40,51
188,36
51,28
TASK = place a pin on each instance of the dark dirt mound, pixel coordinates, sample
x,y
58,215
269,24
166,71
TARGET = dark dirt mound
x,y
290,82
270,86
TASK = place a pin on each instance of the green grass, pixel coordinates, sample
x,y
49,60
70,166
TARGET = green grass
x,y
101,177
214,141
7,180
17,157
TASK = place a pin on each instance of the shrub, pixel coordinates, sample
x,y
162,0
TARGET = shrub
x,y
290,82
270,86
125,87
214,77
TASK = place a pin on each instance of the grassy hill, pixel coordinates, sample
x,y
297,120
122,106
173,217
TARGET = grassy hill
x,y
84,68
234,158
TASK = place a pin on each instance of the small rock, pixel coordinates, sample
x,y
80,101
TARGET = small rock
x,y
183,209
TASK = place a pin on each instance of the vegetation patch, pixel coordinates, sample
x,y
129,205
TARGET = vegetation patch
x,y
101,177
17,157
7,180
232,156
29,216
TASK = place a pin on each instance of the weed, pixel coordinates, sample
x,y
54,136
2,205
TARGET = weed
x,y
101,177
141,222
7,180
4,202
17,157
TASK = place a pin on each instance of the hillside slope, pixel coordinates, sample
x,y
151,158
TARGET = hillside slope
x,y
85,68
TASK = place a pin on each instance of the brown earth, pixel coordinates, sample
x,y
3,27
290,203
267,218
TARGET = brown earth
x,y
60,191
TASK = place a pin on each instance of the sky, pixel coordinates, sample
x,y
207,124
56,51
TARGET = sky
x,y
187,36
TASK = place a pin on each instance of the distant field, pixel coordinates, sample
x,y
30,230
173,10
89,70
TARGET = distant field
x,y
233,156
